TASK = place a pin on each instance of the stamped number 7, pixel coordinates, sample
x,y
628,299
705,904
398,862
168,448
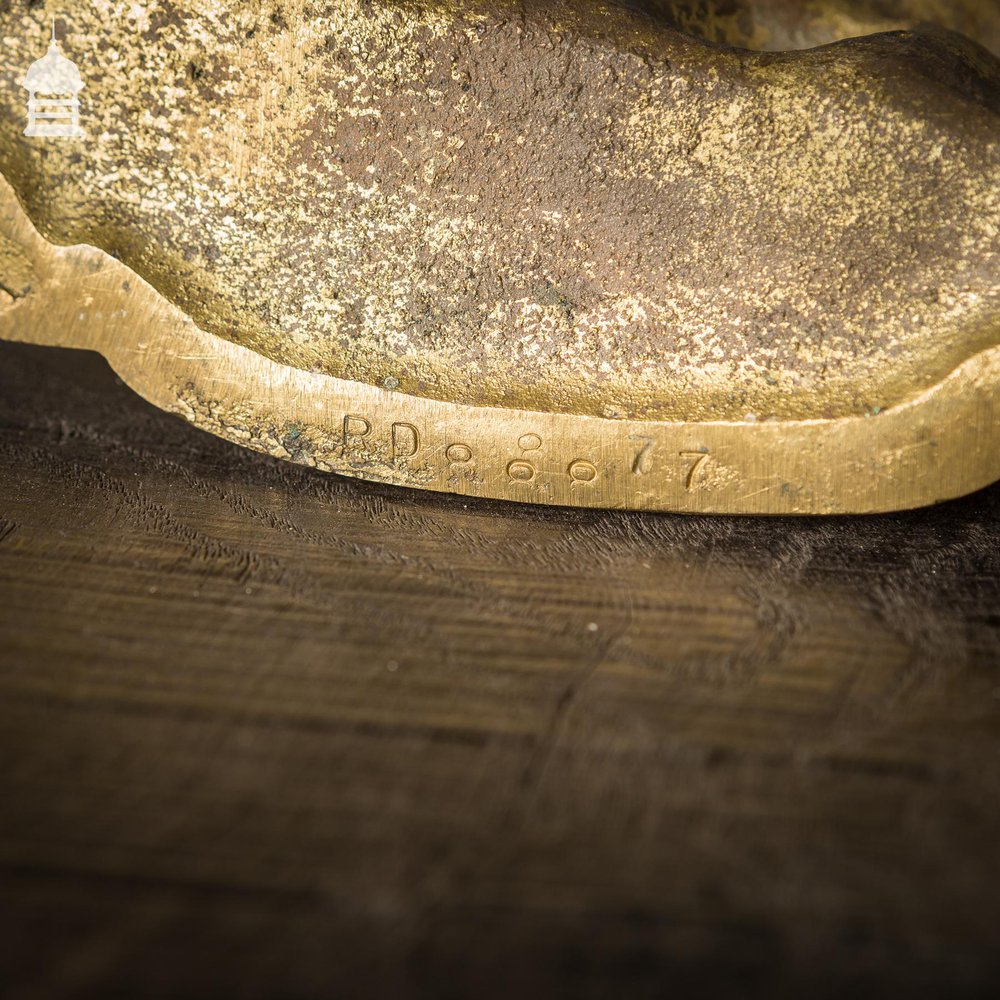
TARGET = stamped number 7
x,y
700,458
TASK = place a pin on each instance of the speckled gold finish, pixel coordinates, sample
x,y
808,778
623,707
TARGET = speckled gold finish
x,y
938,444
527,212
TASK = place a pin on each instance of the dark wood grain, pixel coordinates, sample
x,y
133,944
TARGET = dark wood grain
x,y
270,733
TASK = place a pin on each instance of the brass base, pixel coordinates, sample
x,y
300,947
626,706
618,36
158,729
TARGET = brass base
x,y
941,443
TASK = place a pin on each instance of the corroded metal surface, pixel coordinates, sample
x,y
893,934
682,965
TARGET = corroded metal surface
x,y
535,243
938,444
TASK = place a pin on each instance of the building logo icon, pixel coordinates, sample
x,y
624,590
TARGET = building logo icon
x,y
53,84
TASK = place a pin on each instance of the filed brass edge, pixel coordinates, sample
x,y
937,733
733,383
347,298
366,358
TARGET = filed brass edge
x,y
939,444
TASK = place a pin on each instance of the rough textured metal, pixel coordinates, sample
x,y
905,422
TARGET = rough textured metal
x,y
540,251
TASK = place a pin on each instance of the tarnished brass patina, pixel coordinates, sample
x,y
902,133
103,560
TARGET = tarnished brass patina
x,y
544,251
774,25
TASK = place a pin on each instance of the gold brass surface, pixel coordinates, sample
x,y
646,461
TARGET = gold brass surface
x,y
541,251
940,444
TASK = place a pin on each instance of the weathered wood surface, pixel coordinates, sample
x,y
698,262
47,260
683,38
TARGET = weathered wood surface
x,y
266,732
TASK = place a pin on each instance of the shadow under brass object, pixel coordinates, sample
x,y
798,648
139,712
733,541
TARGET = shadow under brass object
x,y
539,251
